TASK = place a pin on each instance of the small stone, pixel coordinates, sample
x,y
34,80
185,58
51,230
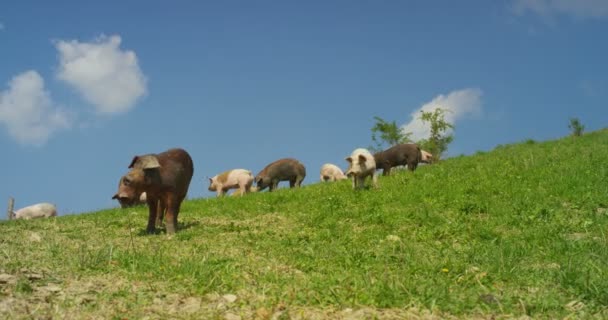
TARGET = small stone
x,y
212,296
230,298
34,276
574,305
232,316
51,288
488,298
191,305
262,313
34,237
6,278
393,238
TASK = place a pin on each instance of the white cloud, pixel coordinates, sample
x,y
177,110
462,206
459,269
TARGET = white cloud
x,y
548,9
458,105
27,111
105,75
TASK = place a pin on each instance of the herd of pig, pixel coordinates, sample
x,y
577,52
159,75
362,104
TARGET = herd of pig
x,y
162,180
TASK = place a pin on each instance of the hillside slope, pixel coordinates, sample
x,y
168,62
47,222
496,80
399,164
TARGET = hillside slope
x,y
518,231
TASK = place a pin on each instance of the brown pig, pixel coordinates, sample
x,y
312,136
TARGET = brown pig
x,y
286,169
361,165
165,178
399,155
231,179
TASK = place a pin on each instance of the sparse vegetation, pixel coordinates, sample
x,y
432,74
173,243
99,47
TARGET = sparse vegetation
x,y
387,133
576,127
438,141
514,232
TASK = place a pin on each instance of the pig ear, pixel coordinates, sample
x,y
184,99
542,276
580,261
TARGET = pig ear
x,y
133,162
210,180
145,162
362,158
349,159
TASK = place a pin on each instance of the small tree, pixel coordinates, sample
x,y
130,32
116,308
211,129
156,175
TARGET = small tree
x,y
438,141
576,127
387,133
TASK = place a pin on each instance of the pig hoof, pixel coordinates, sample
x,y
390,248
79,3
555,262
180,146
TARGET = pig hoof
x,y
151,231
170,229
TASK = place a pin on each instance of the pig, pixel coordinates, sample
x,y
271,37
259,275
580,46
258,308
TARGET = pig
x,y
287,169
39,210
361,164
165,178
426,157
232,179
331,172
399,155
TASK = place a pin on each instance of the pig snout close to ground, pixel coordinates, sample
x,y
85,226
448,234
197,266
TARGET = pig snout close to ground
x,y
399,155
331,172
39,210
240,179
361,164
131,202
165,178
426,157
287,169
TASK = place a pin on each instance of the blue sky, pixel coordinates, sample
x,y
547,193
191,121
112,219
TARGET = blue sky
x,y
85,86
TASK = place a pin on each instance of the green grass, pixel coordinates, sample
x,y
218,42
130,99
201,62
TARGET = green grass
x,y
517,231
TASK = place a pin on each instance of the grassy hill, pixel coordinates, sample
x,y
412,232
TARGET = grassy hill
x,y
515,232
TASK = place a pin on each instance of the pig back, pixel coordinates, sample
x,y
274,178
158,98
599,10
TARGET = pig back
x,y
398,155
176,170
284,169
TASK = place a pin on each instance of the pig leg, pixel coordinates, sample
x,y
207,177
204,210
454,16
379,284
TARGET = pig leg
x,y
152,212
354,182
299,180
375,180
412,166
171,216
292,182
160,213
248,187
273,185
242,189
386,171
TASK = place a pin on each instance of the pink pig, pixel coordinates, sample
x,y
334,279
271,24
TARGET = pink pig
x,y
361,164
231,179
427,157
331,172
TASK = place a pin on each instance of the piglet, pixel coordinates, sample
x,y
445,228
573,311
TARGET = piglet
x,y
331,172
231,179
39,210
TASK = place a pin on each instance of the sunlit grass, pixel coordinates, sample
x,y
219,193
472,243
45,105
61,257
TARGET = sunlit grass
x,y
517,231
